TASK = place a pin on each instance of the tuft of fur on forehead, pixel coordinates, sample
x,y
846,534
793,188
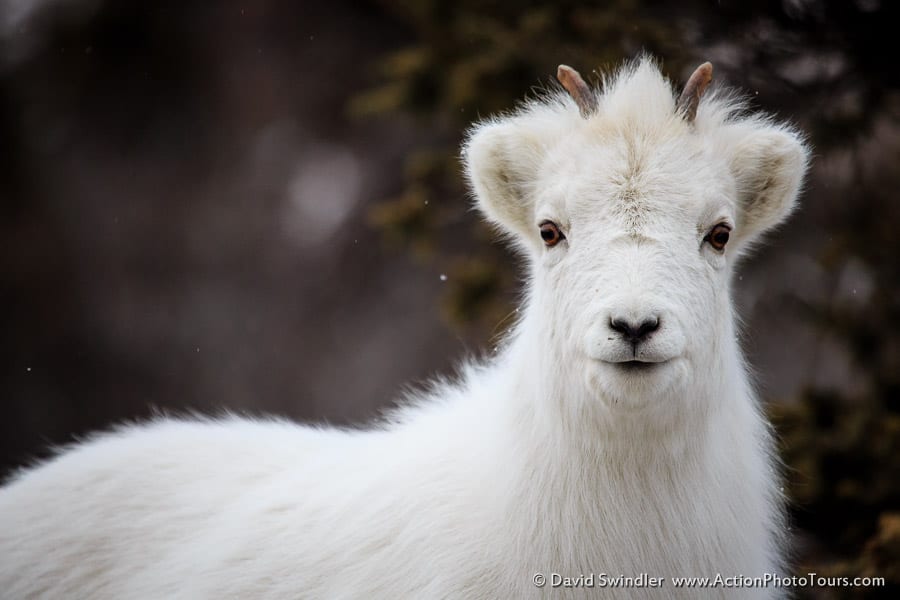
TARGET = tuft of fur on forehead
x,y
639,97
635,99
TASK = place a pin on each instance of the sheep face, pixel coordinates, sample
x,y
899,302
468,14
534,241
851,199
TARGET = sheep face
x,y
632,220
636,294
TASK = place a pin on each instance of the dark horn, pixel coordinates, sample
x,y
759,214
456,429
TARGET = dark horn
x,y
580,91
696,85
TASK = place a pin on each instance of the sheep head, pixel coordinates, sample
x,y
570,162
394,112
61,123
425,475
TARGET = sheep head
x,y
632,207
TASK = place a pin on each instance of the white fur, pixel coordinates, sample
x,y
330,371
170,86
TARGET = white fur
x,y
548,458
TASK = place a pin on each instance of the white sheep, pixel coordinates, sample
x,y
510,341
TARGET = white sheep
x,y
616,432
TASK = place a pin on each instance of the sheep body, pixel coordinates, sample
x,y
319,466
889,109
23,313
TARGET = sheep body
x,y
442,504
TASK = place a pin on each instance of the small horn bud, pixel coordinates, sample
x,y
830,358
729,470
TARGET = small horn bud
x,y
690,98
580,91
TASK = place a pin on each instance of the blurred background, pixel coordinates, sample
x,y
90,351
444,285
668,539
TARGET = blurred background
x,y
258,207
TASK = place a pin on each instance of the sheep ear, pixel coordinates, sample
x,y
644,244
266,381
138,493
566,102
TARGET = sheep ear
x,y
500,159
768,164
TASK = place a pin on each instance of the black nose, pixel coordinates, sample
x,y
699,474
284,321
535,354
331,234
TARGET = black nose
x,y
634,332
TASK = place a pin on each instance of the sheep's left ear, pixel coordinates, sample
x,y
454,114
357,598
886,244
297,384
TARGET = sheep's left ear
x,y
768,163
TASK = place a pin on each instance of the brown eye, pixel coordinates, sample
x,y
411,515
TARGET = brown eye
x,y
551,234
718,236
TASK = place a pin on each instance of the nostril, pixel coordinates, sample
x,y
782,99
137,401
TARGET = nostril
x,y
620,325
648,326
634,332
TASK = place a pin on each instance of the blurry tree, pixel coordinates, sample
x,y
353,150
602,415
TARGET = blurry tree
x,y
824,63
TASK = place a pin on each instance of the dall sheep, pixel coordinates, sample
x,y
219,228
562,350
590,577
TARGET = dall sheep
x,y
615,432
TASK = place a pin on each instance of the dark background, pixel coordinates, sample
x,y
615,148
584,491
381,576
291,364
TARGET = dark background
x,y
258,207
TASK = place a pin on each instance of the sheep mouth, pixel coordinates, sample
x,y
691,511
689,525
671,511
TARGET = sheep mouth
x,y
637,366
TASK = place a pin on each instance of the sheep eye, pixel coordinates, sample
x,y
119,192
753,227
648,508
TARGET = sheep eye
x,y
551,234
718,236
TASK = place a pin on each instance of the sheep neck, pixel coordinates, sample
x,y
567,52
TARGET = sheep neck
x,y
553,402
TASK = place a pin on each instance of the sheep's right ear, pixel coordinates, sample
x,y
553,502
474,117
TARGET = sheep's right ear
x,y
500,160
